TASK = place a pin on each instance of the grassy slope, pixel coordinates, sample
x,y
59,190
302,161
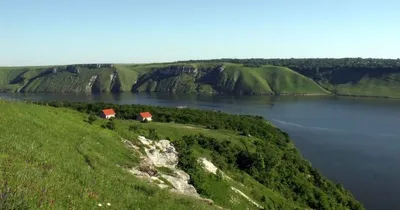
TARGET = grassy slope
x,y
388,85
222,195
69,82
269,79
9,75
234,79
56,160
128,75
243,80
283,80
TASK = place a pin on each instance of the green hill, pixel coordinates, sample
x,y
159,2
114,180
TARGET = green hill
x,y
51,159
273,79
199,78
352,76
364,84
54,158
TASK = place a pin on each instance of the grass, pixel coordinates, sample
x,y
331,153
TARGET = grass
x,y
128,76
272,79
52,159
221,190
386,85
71,82
235,79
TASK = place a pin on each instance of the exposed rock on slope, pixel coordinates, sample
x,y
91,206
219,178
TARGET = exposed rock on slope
x,y
161,154
210,167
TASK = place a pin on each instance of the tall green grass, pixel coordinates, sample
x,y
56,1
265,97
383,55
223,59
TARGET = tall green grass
x,y
52,159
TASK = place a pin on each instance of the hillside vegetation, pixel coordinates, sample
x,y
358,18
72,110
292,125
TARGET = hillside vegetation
x,y
52,159
351,76
260,160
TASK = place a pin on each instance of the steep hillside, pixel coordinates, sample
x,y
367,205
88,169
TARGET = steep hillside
x,y
345,76
11,79
273,79
355,77
226,78
201,78
73,78
52,159
362,83
259,159
59,158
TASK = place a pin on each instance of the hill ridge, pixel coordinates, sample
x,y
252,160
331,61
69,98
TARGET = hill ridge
x,y
353,77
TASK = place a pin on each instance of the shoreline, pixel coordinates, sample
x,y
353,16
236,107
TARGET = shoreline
x,y
202,94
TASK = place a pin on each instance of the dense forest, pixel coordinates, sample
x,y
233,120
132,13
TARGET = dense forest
x,y
272,160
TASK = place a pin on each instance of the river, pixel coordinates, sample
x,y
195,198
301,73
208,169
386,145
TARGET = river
x,y
354,141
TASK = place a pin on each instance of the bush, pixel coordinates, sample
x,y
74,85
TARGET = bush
x,y
110,125
92,118
135,127
153,134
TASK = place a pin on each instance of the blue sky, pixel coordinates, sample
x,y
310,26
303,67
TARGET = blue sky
x,y
128,31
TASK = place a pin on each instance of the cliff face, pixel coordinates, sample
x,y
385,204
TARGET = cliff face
x,y
200,78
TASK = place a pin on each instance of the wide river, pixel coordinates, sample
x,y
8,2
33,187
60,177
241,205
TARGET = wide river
x,y
353,141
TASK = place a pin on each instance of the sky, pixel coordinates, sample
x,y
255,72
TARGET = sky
x,y
52,32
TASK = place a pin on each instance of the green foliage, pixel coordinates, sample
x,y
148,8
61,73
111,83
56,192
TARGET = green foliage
x,y
57,161
253,125
92,118
110,124
153,134
135,127
268,156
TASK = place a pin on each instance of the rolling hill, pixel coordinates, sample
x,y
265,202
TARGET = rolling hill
x,y
242,77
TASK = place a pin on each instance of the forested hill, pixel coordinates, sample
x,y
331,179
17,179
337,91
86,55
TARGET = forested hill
x,y
347,76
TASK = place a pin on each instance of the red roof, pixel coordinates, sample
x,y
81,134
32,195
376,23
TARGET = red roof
x,y
145,114
108,112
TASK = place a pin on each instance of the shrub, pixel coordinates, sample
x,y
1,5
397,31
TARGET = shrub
x,y
92,118
153,134
110,125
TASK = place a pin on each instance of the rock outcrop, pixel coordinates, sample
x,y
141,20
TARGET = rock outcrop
x,y
176,70
161,154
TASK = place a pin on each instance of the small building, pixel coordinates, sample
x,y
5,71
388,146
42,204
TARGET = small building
x,y
144,116
107,113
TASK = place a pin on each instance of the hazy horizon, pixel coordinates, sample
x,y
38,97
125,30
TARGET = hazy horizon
x,y
47,32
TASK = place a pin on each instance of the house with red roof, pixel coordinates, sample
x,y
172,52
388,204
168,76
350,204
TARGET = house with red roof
x,y
144,116
107,113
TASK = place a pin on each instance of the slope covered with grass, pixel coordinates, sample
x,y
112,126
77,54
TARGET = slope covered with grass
x,y
247,148
271,79
385,85
51,159
355,77
11,79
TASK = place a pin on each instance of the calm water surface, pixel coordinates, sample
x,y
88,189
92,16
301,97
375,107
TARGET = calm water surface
x,y
352,141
